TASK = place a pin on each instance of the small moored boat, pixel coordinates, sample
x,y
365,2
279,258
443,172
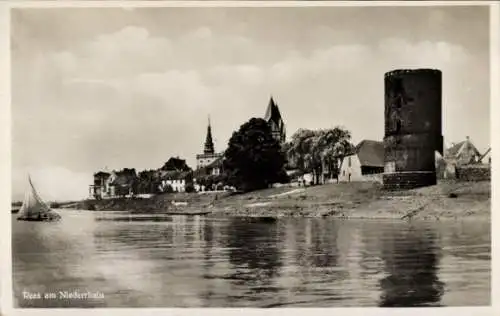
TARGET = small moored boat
x,y
35,209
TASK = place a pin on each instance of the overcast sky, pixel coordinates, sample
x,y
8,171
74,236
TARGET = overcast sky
x,y
129,88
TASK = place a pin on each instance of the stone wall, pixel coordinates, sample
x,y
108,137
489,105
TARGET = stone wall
x,y
473,173
408,180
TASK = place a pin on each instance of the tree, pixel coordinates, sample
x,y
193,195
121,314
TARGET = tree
x,y
313,151
148,182
253,159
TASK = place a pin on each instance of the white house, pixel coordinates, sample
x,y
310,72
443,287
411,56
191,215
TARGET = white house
x,y
366,163
175,179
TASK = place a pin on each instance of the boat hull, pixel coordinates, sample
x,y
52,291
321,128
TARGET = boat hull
x,y
51,217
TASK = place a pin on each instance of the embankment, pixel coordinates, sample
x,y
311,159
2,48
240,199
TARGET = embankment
x,y
446,200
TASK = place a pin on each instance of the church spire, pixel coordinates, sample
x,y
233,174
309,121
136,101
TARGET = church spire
x,y
209,144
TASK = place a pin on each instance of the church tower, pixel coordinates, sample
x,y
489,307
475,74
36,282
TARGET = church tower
x,y
209,155
275,121
209,143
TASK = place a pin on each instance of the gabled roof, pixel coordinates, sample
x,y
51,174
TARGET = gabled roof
x,y
455,150
370,153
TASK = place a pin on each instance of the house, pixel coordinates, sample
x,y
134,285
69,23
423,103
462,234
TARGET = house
x,y
210,176
366,162
98,190
215,168
177,180
463,153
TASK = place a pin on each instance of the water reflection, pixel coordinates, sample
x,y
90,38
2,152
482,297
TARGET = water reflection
x,y
255,257
235,262
411,259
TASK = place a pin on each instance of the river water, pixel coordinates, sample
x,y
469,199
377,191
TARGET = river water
x,y
179,261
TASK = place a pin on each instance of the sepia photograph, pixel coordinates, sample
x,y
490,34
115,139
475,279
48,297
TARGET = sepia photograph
x,y
250,156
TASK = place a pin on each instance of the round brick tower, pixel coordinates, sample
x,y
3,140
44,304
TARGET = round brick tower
x,y
412,127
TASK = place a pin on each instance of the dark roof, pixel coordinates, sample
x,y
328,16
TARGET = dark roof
x,y
370,153
455,149
272,112
175,164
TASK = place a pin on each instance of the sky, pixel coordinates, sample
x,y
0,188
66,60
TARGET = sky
x,y
96,88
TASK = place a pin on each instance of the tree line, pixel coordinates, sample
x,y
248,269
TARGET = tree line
x,y
254,159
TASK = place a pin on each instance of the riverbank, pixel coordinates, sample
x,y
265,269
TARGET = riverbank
x,y
446,200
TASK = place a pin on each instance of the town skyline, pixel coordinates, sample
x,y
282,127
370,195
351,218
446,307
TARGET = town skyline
x,y
135,87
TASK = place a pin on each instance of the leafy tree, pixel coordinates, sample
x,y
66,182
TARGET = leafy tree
x,y
315,150
190,188
253,159
148,182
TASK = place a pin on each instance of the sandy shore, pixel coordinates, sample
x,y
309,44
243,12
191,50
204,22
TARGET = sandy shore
x,y
446,201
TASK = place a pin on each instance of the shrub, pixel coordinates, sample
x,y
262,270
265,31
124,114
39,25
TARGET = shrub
x,y
190,188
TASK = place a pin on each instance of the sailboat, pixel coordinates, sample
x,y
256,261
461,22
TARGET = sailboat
x,y
34,208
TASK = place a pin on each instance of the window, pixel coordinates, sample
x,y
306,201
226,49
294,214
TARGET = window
x,y
349,161
343,173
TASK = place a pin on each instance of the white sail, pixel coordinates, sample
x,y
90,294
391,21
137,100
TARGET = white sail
x,y
34,207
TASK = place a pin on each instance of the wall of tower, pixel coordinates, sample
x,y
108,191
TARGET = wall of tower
x,y
413,127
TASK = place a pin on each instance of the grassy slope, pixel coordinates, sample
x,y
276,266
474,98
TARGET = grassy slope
x,y
366,200
345,200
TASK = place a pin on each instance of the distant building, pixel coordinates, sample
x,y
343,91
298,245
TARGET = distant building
x,y
177,180
275,121
209,155
176,164
113,184
366,161
99,189
463,153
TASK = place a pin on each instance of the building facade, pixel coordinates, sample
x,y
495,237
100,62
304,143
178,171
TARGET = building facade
x,y
366,163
